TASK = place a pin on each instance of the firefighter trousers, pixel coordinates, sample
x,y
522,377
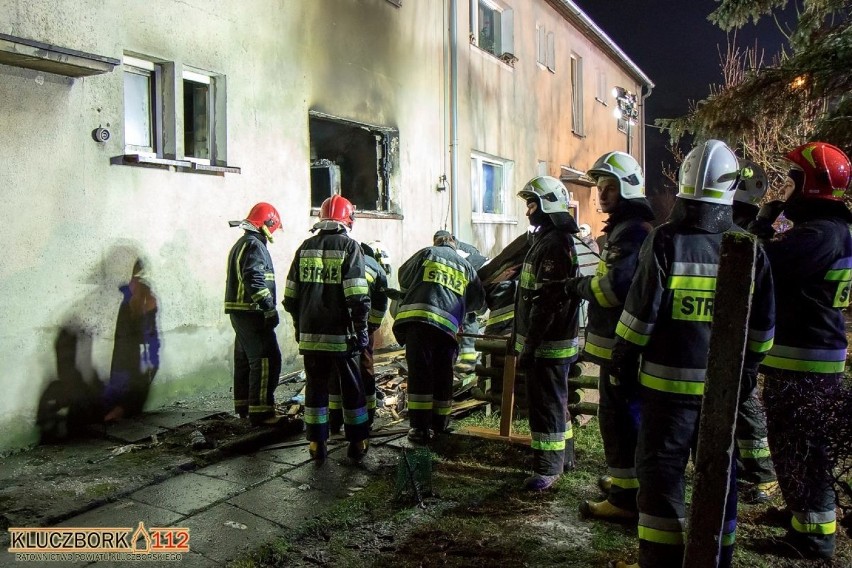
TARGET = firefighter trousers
x,y
320,370
668,434
257,365
368,383
550,422
429,353
800,408
618,416
754,464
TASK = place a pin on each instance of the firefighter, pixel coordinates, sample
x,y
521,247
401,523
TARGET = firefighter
x,y
755,474
545,334
438,288
812,266
666,318
328,297
468,356
377,267
622,196
250,302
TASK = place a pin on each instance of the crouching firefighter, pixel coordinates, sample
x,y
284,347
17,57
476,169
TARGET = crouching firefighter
x,y
546,328
327,296
250,303
667,317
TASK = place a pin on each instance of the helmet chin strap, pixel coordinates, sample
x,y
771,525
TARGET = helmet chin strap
x,y
266,232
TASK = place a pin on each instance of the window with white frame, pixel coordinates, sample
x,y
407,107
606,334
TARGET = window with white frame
x,y
490,179
577,95
545,48
174,116
550,61
142,104
491,26
602,91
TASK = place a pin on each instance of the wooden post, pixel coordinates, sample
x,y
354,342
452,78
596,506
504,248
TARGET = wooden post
x,y
507,406
729,333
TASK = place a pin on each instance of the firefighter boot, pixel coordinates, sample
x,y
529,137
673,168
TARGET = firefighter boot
x,y
606,511
759,493
539,482
318,451
357,450
605,483
420,435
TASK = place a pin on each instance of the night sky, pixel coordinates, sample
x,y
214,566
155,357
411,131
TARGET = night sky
x,y
679,49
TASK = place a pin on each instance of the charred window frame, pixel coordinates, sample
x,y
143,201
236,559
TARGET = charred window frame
x,y
356,160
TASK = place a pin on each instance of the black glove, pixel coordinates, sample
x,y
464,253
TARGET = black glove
x,y
571,286
271,319
770,211
526,358
360,341
393,294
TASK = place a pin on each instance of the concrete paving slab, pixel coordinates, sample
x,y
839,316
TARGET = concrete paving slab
x,y
245,470
225,532
187,493
172,419
335,477
285,502
297,453
124,513
131,431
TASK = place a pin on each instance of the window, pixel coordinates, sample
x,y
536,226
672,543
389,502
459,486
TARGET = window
x,y
577,95
352,159
602,91
142,101
490,179
551,52
491,24
197,116
174,117
545,48
541,168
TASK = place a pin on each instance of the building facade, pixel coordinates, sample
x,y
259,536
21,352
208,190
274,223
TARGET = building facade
x,y
133,133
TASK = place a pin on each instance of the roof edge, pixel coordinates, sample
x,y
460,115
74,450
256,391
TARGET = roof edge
x,y
575,13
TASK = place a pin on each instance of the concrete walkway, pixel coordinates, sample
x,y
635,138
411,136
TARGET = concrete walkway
x,y
237,505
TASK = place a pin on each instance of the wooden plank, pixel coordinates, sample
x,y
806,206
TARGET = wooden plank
x,y
728,336
489,434
507,405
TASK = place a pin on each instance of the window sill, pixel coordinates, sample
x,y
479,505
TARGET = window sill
x,y
367,214
603,102
184,166
578,134
495,58
489,218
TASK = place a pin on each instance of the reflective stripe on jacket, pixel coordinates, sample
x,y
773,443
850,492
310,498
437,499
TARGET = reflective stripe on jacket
x,y
327,292
250,283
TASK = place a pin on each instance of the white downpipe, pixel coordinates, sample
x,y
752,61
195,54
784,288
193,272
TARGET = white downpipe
x,y
454,118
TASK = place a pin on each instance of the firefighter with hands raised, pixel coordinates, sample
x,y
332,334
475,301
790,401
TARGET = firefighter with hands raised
x,y
546,328
812,266
250,302
667,317
328,297
621,188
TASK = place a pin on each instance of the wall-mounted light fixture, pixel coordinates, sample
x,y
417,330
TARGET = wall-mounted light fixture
x,y
626,109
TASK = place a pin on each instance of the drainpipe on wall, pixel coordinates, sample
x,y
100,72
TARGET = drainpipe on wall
x,y
454,119
642,130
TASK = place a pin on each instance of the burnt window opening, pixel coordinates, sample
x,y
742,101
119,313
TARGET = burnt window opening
x,y
351,159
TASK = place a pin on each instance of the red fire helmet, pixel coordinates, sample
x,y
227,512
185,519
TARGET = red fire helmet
x,y
338,208
827,170
264,215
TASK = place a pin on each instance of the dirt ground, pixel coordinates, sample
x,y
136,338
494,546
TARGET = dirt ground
x,y
477,515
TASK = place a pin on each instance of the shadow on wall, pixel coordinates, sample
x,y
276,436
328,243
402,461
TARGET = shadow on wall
x,y
72,401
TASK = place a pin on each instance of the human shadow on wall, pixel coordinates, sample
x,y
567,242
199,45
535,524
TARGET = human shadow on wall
x,y
69,403
136,348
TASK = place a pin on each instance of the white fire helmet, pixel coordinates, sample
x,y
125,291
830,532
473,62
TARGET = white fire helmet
x,y
625,169
709,173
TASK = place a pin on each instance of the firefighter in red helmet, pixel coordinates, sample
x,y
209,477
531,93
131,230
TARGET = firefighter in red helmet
x,y
328,296
812,268
250,302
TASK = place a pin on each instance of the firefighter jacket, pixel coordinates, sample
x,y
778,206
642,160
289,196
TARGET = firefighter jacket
x,y
606,291
812,268
669,308
377,282
545,319
327,293
438,288
250,284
